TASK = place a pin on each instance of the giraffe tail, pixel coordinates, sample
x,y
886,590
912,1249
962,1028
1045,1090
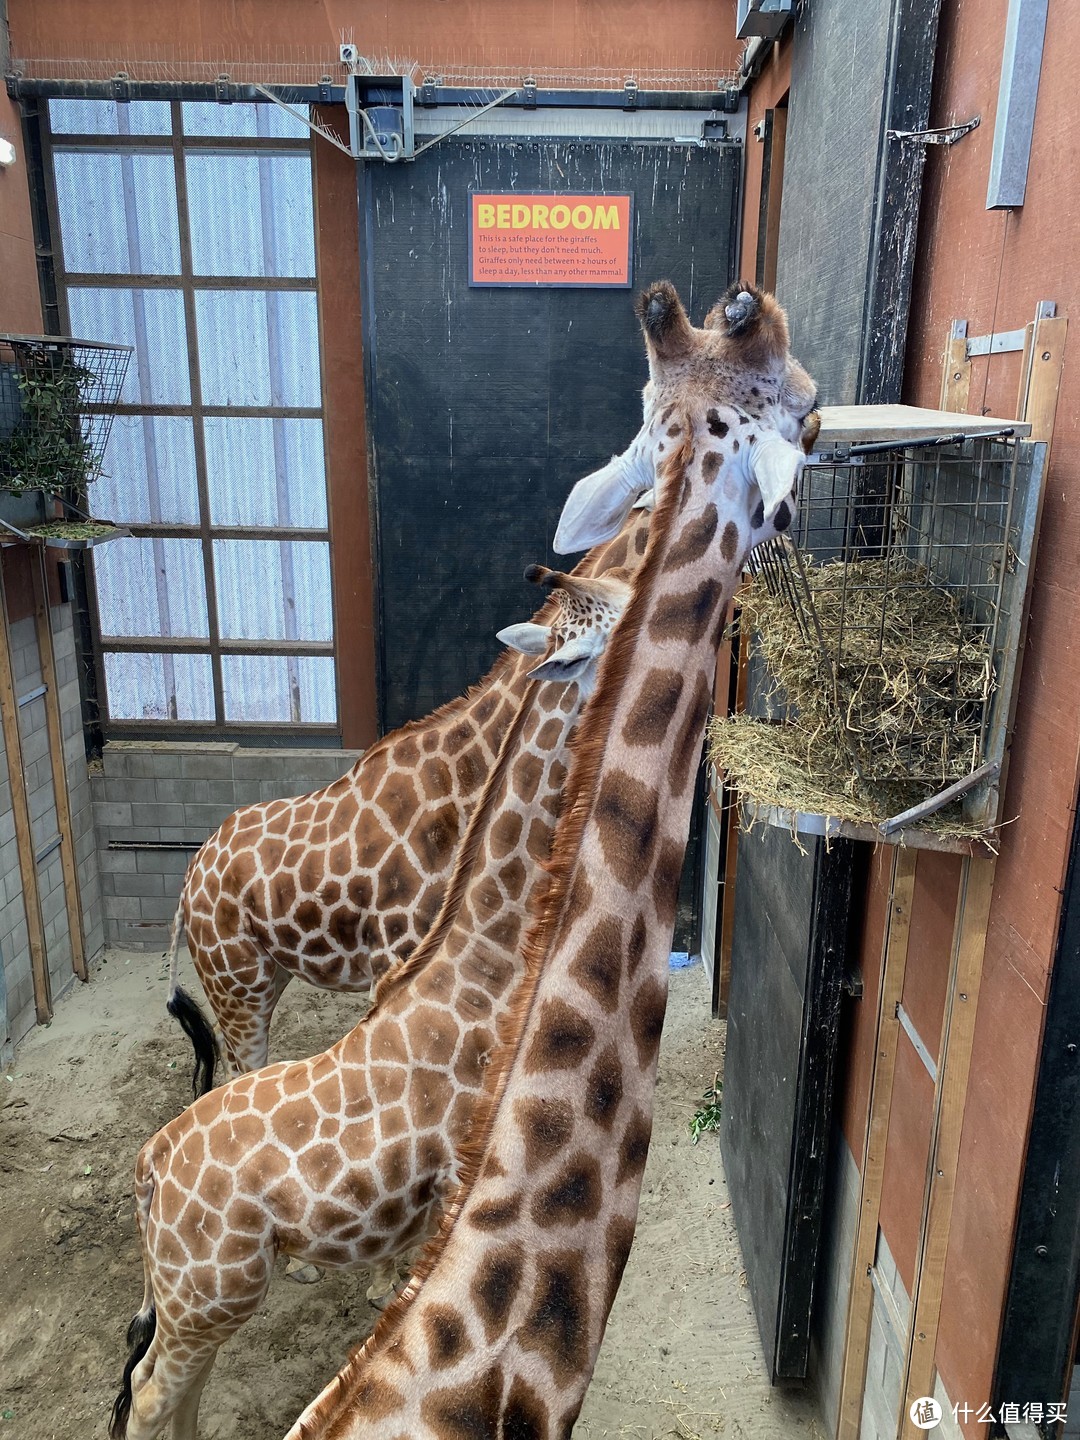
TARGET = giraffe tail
x,y
193,1022
140,1332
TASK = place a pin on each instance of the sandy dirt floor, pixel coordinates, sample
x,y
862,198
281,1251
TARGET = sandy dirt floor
x,y
681,1357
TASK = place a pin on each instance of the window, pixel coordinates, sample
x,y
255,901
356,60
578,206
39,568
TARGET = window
x,y
188,231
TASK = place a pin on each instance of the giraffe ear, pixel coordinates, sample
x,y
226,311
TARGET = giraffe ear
x,y
530,639
570,661
775,467
598,504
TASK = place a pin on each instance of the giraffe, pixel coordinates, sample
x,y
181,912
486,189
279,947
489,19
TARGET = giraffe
x,y
335,886
344,1159
496,1333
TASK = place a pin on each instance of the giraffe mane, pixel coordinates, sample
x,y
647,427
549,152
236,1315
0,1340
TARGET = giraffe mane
x,y
578,797
442,713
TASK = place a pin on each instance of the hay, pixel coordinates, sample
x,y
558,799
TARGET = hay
x,y
890,717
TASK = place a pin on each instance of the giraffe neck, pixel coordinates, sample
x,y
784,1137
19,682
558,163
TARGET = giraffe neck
x,y
497,872
530,1254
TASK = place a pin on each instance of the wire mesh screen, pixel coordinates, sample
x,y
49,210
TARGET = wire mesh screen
x,y
56,397
890,618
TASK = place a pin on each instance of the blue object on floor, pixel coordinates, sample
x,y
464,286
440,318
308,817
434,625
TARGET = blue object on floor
x,y
680,960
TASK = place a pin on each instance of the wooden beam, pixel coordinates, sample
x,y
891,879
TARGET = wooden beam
x,y
24,835
56,758
956,373
1038,401
879,1106
950,1096
731,852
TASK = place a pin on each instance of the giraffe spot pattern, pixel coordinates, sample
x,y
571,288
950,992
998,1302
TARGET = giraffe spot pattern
x,y
647,1019
653,708
557,1326
447,1338
694,540
635,950
729,541
626,811
562,1040
597,966
710,465
495,1287
717,427
467,1411
525,1416
634,1147
496,1214
666,876
685,615
604,1088
572,1196
681,766
546,1128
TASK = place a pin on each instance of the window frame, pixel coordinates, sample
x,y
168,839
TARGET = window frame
x,y
178,145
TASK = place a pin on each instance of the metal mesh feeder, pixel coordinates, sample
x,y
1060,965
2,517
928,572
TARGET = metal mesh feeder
x,y
886,632
57,400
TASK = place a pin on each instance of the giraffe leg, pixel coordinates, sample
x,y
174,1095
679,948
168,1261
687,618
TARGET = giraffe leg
x,y
185,1425
166,1385
243,984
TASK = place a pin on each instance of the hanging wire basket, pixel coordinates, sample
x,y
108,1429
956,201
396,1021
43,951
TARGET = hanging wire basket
x,y
886,633
57,400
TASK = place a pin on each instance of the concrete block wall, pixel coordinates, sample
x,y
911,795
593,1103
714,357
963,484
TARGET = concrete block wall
x,y
155,802
17,1014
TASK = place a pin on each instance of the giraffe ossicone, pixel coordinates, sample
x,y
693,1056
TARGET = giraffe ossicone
x,y
336,886
497,1330
345,1159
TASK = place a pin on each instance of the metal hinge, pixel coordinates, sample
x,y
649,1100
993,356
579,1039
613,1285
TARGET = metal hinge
x,y
945,135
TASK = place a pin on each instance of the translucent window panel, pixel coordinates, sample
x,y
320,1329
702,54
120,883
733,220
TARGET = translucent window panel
x,y
107,117
251,214
159,687
258,347
210,118
149,472
291,689
152,321
117,212
273,589
151,586
265,472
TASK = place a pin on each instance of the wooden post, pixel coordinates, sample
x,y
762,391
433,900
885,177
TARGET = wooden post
x,y
24,835
59,768
950,1096
1040,376
731,853
879,1105
956,375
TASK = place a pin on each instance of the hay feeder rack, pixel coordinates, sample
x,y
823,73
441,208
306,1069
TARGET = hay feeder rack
x,y
57,400
915,539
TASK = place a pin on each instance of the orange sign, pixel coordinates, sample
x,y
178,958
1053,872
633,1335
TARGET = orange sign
x,y
550,240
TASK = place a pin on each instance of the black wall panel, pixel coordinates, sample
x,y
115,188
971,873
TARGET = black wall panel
x,y
485,405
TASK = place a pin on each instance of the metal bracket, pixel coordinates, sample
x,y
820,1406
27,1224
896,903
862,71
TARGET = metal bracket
x,y
1001,342
852,984
528,93
224,90
426,95
120,87
945,135
326,89
630,95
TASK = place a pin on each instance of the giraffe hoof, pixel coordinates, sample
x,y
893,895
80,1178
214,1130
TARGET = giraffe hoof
x,y
303,1274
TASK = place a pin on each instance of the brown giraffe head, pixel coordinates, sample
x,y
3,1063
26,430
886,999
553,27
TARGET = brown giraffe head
x,y
734,383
